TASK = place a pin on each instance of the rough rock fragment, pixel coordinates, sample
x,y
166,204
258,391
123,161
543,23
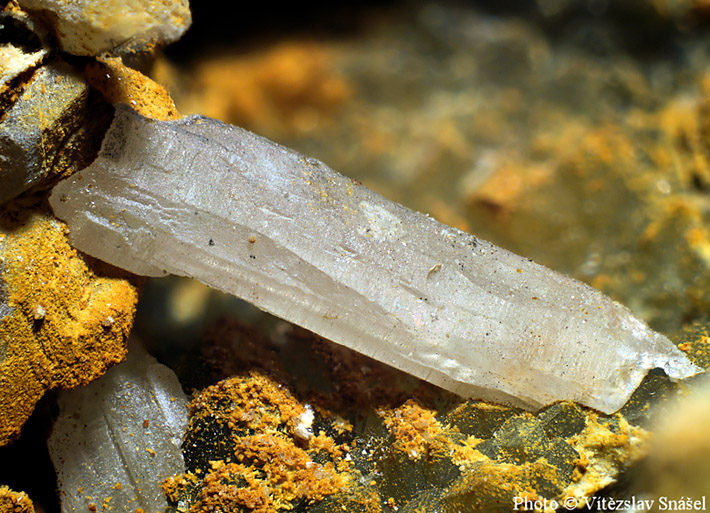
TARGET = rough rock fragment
x,y
199,198
120,84
90,27
22,44
117,438
37,125
63,324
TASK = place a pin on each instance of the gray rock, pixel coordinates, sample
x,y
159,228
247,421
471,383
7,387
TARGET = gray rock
x,y
37,125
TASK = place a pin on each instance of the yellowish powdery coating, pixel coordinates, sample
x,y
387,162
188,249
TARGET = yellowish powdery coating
x,y
413,427
259,402
273,469
14,502
234,486
66,324
605,452
121,84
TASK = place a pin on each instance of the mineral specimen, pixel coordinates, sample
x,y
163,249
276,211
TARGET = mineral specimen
x,y
406,453
37,125
15,502
244,450
118,437
200,198
63,321
22,44
90,28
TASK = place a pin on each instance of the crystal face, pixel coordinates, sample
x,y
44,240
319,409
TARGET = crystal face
x,y
200,198
117,438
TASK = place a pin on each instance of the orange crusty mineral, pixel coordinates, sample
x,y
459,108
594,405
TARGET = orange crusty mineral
x,y
65,322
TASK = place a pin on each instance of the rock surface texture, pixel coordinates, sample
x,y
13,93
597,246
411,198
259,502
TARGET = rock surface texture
x,y
62,321
85,27
34,129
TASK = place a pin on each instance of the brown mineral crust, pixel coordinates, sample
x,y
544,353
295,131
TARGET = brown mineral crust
x,y
121,84
14,502
357,381
67,321
230,346
361,382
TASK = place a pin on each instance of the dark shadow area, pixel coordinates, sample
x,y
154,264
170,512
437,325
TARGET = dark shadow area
x,y
25,464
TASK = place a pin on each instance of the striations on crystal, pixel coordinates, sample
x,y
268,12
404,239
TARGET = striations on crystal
x,y
200,198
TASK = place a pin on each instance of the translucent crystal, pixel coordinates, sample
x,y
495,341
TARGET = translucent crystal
x,y
200,198
117,438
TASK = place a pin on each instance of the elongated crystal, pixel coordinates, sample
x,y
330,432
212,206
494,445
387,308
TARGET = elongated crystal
x,y
200,198
117,438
